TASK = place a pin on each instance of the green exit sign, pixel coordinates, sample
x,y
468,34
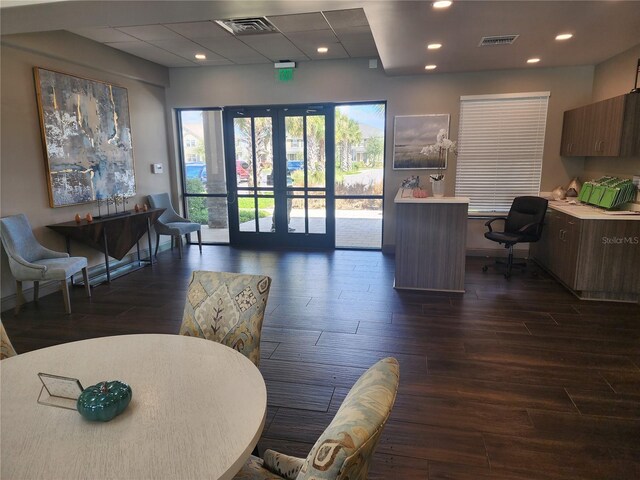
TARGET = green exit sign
x,y
285,74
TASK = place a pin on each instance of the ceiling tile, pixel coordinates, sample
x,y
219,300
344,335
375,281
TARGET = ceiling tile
x,y
185,48
354,17
198,29
302,22
150,32
357,41
274,46
312,39
152,53
231,48
335,51
103,35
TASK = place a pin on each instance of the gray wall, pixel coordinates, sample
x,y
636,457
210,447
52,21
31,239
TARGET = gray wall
x,y
352,80
23,182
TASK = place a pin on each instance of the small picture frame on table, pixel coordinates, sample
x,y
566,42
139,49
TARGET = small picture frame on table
x,y
59,391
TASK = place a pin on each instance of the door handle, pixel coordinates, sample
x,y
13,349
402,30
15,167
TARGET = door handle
x,y
231,197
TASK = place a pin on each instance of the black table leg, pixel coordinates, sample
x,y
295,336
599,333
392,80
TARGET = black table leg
x,y
149,237
106,254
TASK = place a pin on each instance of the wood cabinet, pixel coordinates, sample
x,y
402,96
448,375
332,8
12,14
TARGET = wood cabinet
x,y
596,259
430,243
608,128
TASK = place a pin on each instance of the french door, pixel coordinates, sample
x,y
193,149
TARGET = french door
x,y
280,175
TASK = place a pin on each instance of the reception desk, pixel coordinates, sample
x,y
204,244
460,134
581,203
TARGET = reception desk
x,y
431,237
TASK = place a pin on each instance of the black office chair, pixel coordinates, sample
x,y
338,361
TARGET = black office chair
x,y
523,225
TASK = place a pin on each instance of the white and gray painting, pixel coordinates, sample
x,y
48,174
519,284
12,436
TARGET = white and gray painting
x,y
411,134
87,135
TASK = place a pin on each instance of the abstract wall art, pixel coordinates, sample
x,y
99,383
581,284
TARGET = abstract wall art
x,y
412,133
86,136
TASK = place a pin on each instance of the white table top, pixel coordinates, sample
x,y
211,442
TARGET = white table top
x,y
405,195
589,212
197,411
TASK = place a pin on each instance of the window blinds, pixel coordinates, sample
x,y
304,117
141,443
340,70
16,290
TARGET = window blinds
x,y
500,146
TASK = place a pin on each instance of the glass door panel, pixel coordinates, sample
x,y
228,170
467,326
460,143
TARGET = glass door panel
x,y
203,172
359,174
280,157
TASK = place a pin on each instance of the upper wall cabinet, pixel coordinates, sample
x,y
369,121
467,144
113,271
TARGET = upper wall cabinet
x,y
609,128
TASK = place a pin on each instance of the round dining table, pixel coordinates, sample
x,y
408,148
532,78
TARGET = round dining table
x,y
197,411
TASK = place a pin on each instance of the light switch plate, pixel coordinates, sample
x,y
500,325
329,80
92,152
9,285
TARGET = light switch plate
x,y
157,168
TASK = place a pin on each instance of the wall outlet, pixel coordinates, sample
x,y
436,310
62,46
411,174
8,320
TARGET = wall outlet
x,y
157,168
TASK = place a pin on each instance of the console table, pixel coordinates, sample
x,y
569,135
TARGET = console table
x,y
431,238
113,235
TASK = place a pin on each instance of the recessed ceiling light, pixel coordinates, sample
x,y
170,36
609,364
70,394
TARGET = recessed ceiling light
x,y
442,4
201,56
430,67
434,46
533,60
323,49
564,36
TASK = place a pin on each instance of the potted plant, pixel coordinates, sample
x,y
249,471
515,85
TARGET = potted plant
x,y
442,147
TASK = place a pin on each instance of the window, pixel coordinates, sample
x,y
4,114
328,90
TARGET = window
x,y
500,145
189,141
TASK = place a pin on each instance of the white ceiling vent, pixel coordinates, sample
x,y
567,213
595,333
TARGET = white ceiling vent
x,y
497,40
247,26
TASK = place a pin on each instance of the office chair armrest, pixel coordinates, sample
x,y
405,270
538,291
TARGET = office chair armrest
x,y
489,222
528,226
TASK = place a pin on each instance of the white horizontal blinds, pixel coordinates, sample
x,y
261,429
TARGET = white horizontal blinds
x,y
500,145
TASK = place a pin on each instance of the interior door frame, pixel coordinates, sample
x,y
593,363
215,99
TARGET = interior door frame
x,y
281,238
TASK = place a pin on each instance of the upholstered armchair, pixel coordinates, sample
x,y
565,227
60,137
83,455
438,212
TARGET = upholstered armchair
x,y
227,308
345,449
6,349
29,261
170,223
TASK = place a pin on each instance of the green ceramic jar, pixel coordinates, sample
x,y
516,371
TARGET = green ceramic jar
x,y
104,401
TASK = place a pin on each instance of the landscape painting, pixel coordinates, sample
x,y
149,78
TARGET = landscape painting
x,y
86,134
412,133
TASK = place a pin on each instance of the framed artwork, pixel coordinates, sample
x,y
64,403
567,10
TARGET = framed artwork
x,y
412,133
86,137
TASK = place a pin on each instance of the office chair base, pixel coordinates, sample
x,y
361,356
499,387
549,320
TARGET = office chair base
x,y
509,264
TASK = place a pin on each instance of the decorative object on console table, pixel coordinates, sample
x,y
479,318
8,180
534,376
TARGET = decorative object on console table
x,y
411,134
442,148
114,236
93,158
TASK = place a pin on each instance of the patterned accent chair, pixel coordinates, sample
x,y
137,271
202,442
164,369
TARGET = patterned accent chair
x,y
345,449
29,261
6,349
227,308
170,223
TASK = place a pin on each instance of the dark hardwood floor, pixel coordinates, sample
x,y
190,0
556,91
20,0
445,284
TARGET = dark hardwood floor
x,y
515,379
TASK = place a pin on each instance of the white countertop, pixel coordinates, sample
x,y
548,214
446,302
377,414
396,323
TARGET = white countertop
x,y
405,195
589,212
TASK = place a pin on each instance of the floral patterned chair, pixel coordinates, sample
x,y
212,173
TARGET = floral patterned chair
x,y
6,349
227,308
344,450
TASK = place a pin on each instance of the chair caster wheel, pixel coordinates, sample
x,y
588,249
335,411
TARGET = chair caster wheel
x,y
485,268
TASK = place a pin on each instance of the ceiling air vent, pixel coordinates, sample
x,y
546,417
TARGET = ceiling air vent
x,y
247,26
497,40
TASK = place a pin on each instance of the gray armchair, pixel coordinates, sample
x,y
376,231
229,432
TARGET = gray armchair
x,y
30,261
170,223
